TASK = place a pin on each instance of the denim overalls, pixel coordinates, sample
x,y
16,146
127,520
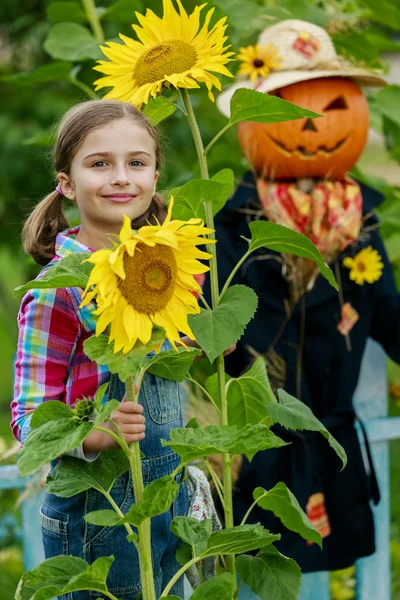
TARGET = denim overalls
x,y
65,531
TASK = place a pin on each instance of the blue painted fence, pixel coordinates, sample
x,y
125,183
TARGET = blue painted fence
x,y
373,573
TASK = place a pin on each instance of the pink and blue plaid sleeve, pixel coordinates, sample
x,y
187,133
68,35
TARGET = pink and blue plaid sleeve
x,y
48,332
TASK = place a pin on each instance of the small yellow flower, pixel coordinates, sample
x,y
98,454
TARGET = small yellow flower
x,y
366,266
147,280
172,50
258,61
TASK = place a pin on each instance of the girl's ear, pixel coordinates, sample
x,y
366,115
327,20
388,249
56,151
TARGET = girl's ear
x,y
156,176
66,185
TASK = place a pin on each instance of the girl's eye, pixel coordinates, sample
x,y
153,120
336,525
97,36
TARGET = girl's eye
x,y
137,163
99,163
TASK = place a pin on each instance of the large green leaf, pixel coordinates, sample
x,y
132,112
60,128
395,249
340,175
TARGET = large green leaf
x,y
103,518
285,506
55,71
270,575
72,12
265,234
158,109
67,272
201,442
386,12
216,330
61,575
57,437
249,105
157,499
189,198
52,410
70,41
72,475
237,540
171,364
220,587
193,532
248,396
122,11
99,350
388,101
293,414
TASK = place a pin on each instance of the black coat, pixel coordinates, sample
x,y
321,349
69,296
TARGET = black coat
x,y
329,378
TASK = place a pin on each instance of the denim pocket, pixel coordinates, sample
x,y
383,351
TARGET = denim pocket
x,y
162,398
54,525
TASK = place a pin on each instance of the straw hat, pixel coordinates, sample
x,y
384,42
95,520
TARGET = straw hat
x,y
306,52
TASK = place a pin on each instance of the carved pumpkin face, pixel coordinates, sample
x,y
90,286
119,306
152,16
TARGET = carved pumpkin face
x,y
326,147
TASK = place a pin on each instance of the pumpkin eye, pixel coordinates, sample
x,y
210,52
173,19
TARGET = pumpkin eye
x,y
337,103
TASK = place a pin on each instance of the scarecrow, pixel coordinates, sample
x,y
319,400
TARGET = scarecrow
x,y
312,338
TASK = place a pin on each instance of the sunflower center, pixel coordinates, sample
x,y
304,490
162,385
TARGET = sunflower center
x,y
150,278
361,267
258,63
174,56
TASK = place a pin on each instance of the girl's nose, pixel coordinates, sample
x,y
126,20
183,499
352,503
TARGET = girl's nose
x,y
120,178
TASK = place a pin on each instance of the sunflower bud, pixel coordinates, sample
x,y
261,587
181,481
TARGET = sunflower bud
x,y
84,409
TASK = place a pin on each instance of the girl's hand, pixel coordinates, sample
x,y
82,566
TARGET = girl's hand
x,y
129,418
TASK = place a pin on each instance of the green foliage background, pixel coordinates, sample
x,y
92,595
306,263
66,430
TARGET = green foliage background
x,y
34,92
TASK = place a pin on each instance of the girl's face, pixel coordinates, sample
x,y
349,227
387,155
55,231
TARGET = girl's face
x,y
112,174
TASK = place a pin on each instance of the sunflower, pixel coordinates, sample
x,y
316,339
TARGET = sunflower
x,y
366,266
147,280
171,50
258,61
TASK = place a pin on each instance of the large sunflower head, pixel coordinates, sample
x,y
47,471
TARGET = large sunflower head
x,y
366,266
258,61
147,280
172,50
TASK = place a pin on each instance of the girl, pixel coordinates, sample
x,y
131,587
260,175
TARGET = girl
x,y
107,158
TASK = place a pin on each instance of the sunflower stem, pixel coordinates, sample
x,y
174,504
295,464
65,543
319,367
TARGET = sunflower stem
x,y
226,464
90,10
216,138
145,562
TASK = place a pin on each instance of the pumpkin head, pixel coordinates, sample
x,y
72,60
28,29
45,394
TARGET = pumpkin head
x,y
325,147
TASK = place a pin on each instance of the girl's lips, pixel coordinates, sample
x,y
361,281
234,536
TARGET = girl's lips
x,y
121,198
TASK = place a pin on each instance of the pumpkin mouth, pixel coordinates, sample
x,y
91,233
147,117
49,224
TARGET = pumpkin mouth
x,y
307,154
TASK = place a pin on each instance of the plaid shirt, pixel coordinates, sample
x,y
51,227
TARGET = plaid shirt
x,y
51,364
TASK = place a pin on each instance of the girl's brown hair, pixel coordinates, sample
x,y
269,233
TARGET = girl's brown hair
x,y
48,219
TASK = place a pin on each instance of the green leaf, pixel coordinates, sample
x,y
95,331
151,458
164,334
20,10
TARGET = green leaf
x,y
57,437
103,518
99,350
57,12
171,364
53,410
72,475
284,505
189,198
386,12
184,554
70,41
199,443
270,575
265,234
227,178
387,102
249,105
63,574
157,499
248,396
100,395
67,272
122,11
158,109
216,330
237,540
193,532
220,587
55,71
293,414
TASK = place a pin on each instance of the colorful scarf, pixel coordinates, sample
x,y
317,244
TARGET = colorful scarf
x,y
330,215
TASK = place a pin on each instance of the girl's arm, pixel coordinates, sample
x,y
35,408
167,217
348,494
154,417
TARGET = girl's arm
x,y
48,330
